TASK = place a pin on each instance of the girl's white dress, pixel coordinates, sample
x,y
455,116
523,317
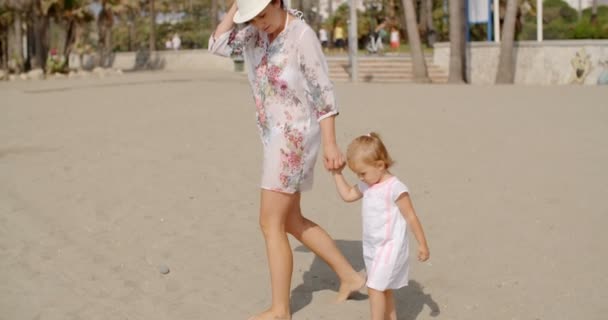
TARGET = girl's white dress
x,y
385,239
292,93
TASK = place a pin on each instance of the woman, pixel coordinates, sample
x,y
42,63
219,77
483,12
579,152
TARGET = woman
x,y
295,107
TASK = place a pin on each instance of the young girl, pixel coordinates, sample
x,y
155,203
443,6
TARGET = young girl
x,y
388,213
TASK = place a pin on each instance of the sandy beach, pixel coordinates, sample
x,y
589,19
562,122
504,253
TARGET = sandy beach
x,y
106,182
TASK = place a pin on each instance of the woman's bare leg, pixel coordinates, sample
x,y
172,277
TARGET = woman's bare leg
x,y
319,242
274,209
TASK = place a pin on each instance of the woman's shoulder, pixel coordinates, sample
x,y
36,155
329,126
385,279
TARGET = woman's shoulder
x,y
301,28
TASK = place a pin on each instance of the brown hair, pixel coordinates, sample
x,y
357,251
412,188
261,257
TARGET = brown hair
x,y
368,149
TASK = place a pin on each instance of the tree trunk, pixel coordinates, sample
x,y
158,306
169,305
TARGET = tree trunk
x,y
41,47
31,43
107,44
69,39
457,73
4,52
430,27
422,26
330,33
17,43
594,13
506,68
390,10
419,65
214,21
104,24
319,18
425,25
131,30
152,45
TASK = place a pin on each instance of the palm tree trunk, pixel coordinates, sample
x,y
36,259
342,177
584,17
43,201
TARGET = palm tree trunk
x,y
131,30
425,24
214,21
318,18
69,39
330,12
4,52
457,73
17,43
104,23
107,44
594,13
430,33
419,65
422,26
506,65
390,10
41,47
152,27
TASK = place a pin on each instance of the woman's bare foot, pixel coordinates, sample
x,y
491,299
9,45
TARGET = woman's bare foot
x,y
270,315
348,287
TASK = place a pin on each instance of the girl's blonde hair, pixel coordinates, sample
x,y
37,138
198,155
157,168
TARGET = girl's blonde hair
x,y
368,149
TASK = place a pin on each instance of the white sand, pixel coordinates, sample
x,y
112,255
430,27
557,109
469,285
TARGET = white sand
x,y
104,181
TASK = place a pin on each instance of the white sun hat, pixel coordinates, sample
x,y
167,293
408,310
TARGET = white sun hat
x,y
248,9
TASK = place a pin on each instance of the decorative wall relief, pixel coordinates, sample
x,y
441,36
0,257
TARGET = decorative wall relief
x,y
581,63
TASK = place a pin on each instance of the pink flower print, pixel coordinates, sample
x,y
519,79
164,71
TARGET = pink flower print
x,y
273,73
260,110
296,140
284,179
283,85
294,160
284,158
261,69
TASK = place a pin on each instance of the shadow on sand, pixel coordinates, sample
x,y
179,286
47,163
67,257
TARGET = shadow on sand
x,y
410,300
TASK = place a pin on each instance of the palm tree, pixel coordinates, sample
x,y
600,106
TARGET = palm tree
x,y
213,13
74,13
506,67
425,24
5,22
152,26
419,65
131,11
594,12
105,22
38,29
457,72
18,38
14,11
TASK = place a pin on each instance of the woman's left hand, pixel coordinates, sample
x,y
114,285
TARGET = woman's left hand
x,y
332,157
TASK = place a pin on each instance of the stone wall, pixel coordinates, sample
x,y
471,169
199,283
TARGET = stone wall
x,y
537,63
178,60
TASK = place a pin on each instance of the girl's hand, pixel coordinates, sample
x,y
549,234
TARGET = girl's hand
x,y
332,157
423,253
338,170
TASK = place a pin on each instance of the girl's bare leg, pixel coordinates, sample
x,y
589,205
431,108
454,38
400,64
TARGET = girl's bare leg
x,y
319,242
377,301
274,209
391,311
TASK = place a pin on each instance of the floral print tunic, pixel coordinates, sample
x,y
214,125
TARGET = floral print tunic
x,y
292,94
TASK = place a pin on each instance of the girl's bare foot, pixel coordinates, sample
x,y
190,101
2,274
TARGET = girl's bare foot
x,y
348,287
270,315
